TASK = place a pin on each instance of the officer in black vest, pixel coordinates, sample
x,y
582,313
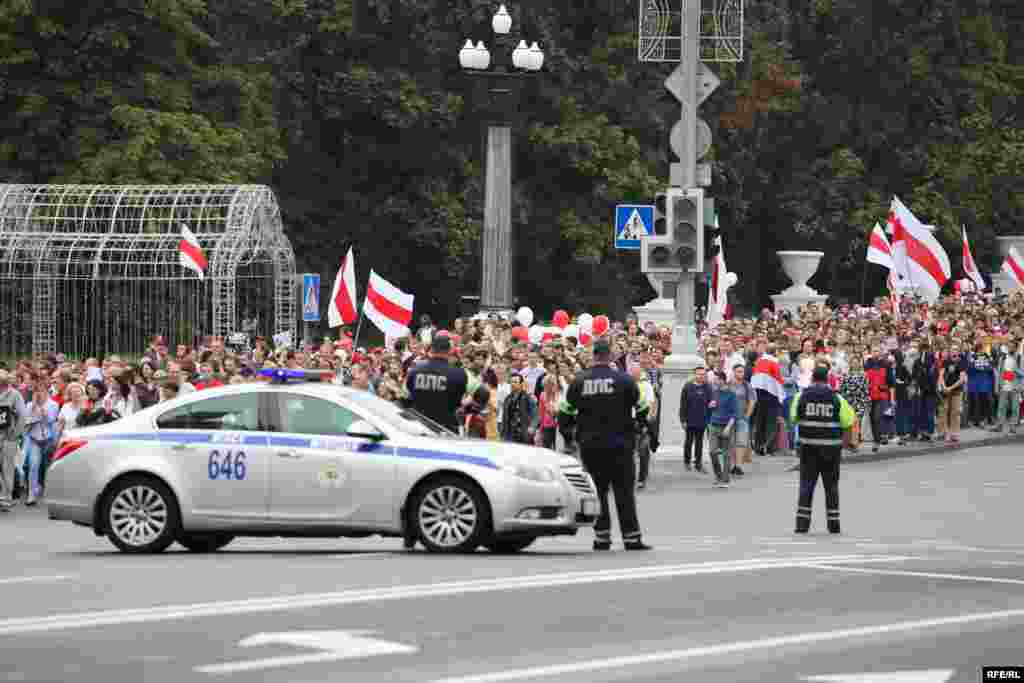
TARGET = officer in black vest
x,y
824,419
436,388
603,401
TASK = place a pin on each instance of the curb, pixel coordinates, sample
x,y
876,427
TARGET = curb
x,y
910,451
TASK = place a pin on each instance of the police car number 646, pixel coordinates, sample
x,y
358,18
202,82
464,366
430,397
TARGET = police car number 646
x,y
291,458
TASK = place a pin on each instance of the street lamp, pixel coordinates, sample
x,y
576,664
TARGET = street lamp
x,y
497,91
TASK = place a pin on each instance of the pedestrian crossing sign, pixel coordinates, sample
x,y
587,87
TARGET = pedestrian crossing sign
x,y
310,298
632,222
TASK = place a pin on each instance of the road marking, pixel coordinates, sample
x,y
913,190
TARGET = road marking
x,y
34,579
280,603
923,676
333,646
923,575
729,648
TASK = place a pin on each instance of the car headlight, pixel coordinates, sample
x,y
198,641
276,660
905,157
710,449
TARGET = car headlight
x,y
538,473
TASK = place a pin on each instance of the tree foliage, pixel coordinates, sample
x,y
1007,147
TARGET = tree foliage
x,y
355,111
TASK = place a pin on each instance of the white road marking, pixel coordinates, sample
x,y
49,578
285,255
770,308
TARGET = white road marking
x,y
280,603
923,575
333,646
922,676
629,661
34,579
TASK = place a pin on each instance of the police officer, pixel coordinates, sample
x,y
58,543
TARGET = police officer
x,y
436,388
602,399
825,420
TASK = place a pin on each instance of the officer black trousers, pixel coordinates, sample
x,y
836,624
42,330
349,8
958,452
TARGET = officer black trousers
x,y
818,461
613,468
694,444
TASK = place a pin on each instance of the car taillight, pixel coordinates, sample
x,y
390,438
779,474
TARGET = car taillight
x,y
66,447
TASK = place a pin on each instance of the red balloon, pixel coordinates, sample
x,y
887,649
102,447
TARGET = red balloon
x,y
548,336
521,333
560,319
601,325
585,339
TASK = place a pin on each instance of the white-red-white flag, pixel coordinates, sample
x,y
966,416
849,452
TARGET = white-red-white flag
x,y
190,254
1013,266
768,376
387,307
341,310
970,267
919,261
879,249
718,288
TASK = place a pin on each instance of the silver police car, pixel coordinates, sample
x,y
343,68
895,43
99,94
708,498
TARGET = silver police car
x,y
305,459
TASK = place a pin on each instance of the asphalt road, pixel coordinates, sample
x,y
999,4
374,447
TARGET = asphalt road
x,y
928,577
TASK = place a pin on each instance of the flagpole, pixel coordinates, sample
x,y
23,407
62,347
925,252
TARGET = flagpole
x,y
359,326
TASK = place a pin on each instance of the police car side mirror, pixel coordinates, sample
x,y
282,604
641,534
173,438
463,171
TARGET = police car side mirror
x,y
364,430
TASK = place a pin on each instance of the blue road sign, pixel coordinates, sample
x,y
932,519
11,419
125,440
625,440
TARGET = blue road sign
x,y
310,298
633,221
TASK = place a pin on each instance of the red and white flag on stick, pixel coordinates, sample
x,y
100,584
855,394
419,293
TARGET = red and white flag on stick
x,y
970,267
919,261
387,307
768,376
1013,266
879,249
190,254
341,310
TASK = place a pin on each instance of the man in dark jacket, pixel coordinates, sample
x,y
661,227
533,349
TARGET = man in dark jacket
x,y
694,409
925,377
519,413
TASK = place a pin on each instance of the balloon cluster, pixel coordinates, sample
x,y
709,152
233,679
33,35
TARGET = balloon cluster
x,y
586,329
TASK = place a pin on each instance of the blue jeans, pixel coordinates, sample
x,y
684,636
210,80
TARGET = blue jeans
x,y
33,454
904,416
924,414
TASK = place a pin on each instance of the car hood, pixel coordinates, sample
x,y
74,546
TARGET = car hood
x,y
500,452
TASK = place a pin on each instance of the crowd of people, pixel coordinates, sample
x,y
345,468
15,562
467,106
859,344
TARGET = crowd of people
x,y
917,371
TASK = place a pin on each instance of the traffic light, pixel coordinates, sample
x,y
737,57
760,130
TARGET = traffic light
x,y
687,220
660,214
677,248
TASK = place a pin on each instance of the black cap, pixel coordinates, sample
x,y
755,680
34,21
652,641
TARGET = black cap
x,y
440,344
820,373
602,347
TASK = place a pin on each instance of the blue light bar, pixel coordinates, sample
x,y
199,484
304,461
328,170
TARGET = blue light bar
x,y
285,375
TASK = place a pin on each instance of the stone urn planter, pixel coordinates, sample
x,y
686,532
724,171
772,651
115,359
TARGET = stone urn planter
x,y
799,266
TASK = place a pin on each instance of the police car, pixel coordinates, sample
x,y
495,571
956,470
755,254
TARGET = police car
x,y
293,458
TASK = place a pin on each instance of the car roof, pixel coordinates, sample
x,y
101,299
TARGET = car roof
x,y
319,389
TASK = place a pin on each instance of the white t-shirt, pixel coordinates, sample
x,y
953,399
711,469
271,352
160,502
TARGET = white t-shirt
x,y
69,414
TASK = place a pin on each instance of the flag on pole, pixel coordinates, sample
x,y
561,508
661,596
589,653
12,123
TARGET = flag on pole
x,y
190,254
970,267
718,288
1013,266
387,307
919,261
879,249
341,310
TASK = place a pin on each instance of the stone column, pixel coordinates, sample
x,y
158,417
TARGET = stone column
x,y
496,275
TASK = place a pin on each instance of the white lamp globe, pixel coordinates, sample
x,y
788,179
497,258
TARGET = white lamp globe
x,y
520,55
502,21
483,57
466,55
536,60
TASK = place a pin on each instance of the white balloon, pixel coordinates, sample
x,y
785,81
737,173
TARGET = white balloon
x,y
731,279
536,334
586,323
571,331
525,316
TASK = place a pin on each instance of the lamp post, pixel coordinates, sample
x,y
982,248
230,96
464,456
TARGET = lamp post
x,y
496,88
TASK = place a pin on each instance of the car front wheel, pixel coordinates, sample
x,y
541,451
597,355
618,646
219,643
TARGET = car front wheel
x,y
141,515
450,515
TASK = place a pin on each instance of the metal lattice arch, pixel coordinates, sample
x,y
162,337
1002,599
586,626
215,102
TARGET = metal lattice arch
x,y
94,269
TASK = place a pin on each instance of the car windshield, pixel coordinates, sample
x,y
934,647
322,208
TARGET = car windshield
x,y
407,420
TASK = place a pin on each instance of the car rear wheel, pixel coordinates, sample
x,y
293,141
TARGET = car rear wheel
x,y
205,543
141,515
510,545
450,515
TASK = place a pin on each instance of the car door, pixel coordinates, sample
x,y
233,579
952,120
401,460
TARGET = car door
x,y
318,473
219,447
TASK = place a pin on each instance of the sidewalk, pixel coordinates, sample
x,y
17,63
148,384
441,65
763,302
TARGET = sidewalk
x,y
969,438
